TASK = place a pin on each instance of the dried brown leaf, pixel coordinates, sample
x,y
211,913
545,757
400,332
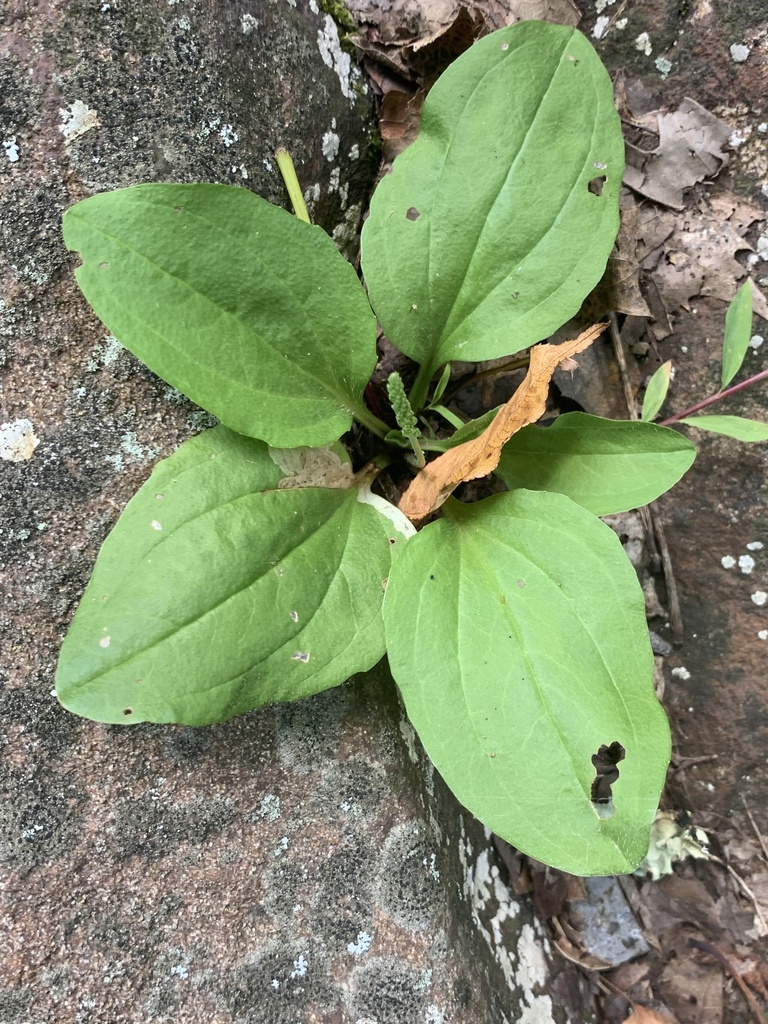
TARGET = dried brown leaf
x,y
480,456
691,148
644,1015
399,121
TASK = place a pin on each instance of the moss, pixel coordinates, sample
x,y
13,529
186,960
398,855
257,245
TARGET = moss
x,y
340,15
344,22
742,18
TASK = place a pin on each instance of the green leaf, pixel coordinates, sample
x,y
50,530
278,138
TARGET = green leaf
x,y
604,465
516,632
732,426
250,312
442,384
217,592
466,432
738,328
656,392
486,237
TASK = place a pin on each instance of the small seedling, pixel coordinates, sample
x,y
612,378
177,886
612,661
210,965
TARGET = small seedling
x,y
738,328
258,565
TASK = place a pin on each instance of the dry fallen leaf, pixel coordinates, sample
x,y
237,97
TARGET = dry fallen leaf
x,y
399,121
642,1015
698,256
480,456
418,38
691,148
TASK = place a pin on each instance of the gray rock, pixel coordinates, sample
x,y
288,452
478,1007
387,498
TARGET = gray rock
x,y
302,863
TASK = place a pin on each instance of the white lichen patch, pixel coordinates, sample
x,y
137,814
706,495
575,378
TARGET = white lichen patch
x,y
354,153
727,561
345,233
681,672
133,448
300,965
248,24
601,27
330,146
104,354
759,598
434,1015
11,149
17,441
228,135
335,58
643,44
361,946
754,343
532,967
755,545
739,137
762,634
76,120
269,808
663,66
746,564
491,904
739,52
536,1010
600,5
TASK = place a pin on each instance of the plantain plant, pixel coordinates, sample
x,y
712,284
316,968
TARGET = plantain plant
x,y
258,564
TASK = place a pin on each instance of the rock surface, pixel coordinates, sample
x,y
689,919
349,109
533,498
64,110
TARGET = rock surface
x,y
301,864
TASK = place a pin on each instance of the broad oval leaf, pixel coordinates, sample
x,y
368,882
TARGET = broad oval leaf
x,y
604,465
250,312
738,427
516,633
488,233
217,592
738,327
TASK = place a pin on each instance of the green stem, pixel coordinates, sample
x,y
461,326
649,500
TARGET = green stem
x,y
418,395
292,185
417,450
763,375
364,415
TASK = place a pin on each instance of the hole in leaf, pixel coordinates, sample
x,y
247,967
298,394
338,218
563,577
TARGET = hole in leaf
x,y
596,185
606,773
412,214
392,540
127,711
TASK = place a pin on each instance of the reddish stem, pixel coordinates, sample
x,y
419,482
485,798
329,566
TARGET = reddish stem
x,y
763,375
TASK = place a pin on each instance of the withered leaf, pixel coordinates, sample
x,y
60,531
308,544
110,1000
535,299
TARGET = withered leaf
x,y
480,456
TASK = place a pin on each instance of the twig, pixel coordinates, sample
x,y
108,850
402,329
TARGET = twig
x,y
758,833
655,536
763,375
673,598
679,763
743,885
726,964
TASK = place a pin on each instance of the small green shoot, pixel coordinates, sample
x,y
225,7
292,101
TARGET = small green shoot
x,y
738,327
656,392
